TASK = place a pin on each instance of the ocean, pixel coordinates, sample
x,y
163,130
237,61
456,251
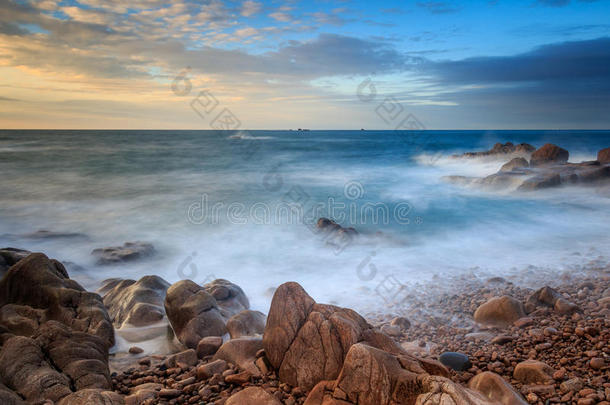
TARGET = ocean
x,y
240,206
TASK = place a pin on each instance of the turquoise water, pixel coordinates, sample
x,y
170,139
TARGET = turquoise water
x,y
217,204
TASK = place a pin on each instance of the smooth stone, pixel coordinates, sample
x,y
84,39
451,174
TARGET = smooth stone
x,y
455,361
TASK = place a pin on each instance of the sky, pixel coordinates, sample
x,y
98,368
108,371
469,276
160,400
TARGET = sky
x,y
325,64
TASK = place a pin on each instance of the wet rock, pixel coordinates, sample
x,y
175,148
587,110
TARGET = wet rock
x,y
246,323
546,296
9,256
603,156
8,397
539,182
229,297
241,352
135,303
252,396
208,346
515,164
455,361
597,363
391,330
93,397
532,371
549,154
401,322
130,251
207,370
46,234
193,313
307,342
187,357
500,149
495,388
499,311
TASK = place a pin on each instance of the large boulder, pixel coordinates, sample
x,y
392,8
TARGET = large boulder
x,y
93,397
603,156
193,313
549,154
374,377
499,311
253,396
9,256
230,298
246,323
515,164
541,181
496,389
135,303
307,342
130,251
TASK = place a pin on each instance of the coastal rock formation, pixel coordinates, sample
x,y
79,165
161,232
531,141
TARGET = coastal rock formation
x,y
55,336
515,164
246,323
193,313
499,311
500,149
230,298
549,154
241,352
334,234
603,156
253,396
10,256
135,303
128,252
308,342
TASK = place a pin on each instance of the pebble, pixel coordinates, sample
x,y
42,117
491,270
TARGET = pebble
x,y
455,361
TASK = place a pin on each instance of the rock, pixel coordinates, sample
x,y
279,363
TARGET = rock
x,y
603,156
8,397
573,384
9,256
334,234
499,149
230,298
495,388
246,323
130,251
401,322
499,311
502,339
45,234
135,350
307,342
193,313
93,397
252,396
44,286
208,346
540,182
187,357
455,361
241,352
391,330
515,163
532,371
239,378
207,370
549,154
546,296
597,363
132,303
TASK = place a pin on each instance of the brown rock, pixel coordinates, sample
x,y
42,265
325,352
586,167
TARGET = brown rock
x,y
546,296
246,323
208,346
230,298
603,156
597,363
495,388
499,311
207,370
541,181
241,352
549,154
532,371
252,396
515,163
130,251
401,322
187,357
239,378
93,397
193,313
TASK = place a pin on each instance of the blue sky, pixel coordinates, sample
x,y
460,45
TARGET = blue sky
x,y
284,64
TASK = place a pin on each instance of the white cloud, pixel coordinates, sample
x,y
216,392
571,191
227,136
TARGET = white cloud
x,y
250,7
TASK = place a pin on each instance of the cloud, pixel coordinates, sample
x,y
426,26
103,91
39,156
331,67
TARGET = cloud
x,y
281,16
250,8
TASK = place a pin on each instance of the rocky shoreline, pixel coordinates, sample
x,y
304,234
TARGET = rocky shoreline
x,y
481,342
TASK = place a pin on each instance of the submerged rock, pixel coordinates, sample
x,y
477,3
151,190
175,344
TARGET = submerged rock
x,y
500,149
128,252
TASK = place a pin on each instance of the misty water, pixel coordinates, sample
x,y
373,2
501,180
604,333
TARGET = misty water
x,y
217,205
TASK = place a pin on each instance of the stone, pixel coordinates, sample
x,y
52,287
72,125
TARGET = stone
x,y
515,164
401,322
187,357
229,297
603,156
207,370
533,371
135,350
253,396
246,323
9,256
455,361
307,342
391,330
193,313
499,311
135,303
597,363
208,346
93,397
546,296
502,339
573,384
495,388
239,378
549,154
130,251
539,182
241,352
